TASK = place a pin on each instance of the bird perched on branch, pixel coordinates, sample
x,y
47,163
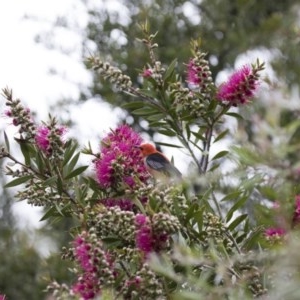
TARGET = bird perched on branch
x,y
158,164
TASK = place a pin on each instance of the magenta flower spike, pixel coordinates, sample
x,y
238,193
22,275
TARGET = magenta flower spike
x,y
120,162
43,137
296,216
240,87
144,239
270,232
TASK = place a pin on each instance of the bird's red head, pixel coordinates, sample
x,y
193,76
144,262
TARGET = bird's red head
x,y
147,149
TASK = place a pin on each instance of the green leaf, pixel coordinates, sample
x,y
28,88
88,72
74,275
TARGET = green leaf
x,y
49,213
241,237
145,111
50,181
235,115
149,93
18,181
221,135
6,142
220,154
235,207
39,162
191,211
214,167
155,117
237,221
76,172
185,295
232,196
24,146
168,145
198,135
58,209
69,152
246,156
253,182
93,184
112,241
167,132
133,105
73,162
59,185
170,70
198,216
252,239
188,131
268,192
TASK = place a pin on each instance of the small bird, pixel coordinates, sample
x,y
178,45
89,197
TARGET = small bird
x,y
157,164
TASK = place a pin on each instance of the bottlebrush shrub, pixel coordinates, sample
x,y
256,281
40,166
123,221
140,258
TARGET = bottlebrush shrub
x,y
138,238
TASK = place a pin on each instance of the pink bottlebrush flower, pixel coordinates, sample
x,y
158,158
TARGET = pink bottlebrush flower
x,y
124,204
240,86
96,264
7,113
270,232
82,254
193,73
86,287
143,237
120,161
147,73
140,220
198,73
296,216
146,239
42,137
2,297
104,168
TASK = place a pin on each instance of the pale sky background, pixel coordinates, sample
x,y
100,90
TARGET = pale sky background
x,y
25,67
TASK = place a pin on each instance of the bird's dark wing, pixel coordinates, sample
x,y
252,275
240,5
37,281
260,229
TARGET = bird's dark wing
x,y
159,163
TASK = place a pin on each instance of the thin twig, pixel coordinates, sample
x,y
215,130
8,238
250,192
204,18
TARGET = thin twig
x,y
217,205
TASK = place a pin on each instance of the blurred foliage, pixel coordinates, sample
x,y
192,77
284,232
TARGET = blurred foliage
x,y
227,29
270,137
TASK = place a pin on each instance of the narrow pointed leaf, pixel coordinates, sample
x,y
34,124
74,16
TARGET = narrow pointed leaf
x,y
6,142
221,135
170,70
235,207
18,181
76,172
220,154
237,221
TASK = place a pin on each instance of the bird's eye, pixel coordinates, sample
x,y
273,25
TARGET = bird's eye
x,y
142,148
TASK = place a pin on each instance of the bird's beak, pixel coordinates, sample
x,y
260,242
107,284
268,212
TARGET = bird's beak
x,y
137,147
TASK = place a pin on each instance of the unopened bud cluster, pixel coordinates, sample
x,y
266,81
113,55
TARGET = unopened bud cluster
x,y
96,264
37,194
116,222
113,74
187,102
156,72
60,291
49,140
199,74
253,277
162,222
170,199
144,285
20,115
215,230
